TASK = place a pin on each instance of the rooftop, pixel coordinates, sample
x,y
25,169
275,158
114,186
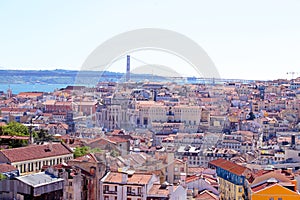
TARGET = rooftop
x,y
116,177
229,166
35,152
39,179
7,168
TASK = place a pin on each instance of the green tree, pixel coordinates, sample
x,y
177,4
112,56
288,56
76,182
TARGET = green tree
x,y
15,128
2,177
96,150
81,151
114,153
42,135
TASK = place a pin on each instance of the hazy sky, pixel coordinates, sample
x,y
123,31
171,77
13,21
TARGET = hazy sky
x,y
258,39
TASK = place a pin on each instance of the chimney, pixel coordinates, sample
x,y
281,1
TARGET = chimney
x,y
293,140
195,193
124,177
49,146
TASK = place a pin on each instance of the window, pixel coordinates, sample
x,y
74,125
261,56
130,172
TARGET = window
x,y
279,198
106,197
182,169
105,187
116,188
271,198
129,189
139,191
240,189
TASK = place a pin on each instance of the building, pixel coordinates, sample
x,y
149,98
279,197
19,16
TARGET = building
x,y
8,171
31,158
89,170
138,186
119,185
232,179
273,184
38,186
198,156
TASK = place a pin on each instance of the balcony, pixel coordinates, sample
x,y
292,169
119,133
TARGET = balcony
x,y
133,194
109,192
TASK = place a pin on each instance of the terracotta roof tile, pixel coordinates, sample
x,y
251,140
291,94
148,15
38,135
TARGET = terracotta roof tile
x,y
6,168
116,177
229,166
157,190
35,152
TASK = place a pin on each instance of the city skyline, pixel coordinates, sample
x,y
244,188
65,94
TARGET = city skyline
x,y
248,41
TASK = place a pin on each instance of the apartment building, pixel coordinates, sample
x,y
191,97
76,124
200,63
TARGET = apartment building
x,y
272,184
134,186
232,179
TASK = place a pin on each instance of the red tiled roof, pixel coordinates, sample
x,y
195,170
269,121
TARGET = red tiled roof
x,y
116,177
229,166
116,139
157,190
6,168
30,94
206,195
35,152
14,137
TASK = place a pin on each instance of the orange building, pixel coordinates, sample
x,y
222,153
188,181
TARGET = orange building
x,y
273,185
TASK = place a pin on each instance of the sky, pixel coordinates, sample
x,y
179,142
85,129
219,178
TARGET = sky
x,y
245,39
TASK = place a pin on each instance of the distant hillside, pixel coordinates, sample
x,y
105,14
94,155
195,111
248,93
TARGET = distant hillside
x,y
60,76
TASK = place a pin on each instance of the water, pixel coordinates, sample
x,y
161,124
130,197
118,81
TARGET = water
x,y
31,87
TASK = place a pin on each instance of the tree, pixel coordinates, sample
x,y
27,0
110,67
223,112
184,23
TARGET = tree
x,y
43,135
114,153
15,128
81,151
2,177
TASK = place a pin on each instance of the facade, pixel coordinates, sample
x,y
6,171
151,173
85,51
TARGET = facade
x,y
119,186
197,156
32,158
138,186
232,179
88,172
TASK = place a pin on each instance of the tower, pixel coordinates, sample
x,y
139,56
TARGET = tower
x,y
128,68
9,93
